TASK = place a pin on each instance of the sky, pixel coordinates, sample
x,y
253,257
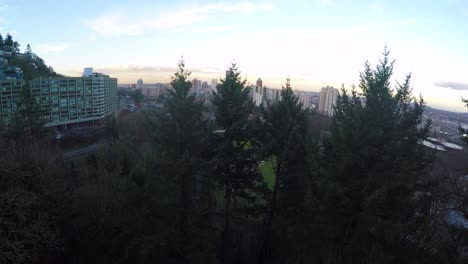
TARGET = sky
x,y
314,42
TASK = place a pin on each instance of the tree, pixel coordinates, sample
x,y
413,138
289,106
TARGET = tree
x,y
236,161
285,140
111,129
2,45
137,96
28,49
28,119
464,132
180,137
16,47
33,197
376,168
8,42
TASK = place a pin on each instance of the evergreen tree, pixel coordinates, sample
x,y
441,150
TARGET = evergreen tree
x,y
180,133
16,47
28,49
464,132
8,42
376,167
28,119
236,163
137,96
111,129
285,140
2,45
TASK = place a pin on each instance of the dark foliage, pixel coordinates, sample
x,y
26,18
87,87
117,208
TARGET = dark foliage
x,y
170,187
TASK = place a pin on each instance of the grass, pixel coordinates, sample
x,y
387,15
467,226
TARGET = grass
x,y
266,167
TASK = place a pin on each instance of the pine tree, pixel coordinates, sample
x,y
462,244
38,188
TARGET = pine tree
x,y
376,166
2,45
285,140
464,132
16,47
28,119
8,42
180,137
28,49
237,165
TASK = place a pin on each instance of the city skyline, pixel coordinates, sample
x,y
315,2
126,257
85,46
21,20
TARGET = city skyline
x,y
317,43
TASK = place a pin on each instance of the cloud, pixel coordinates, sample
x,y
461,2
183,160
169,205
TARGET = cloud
x,y
206,29
152,70
135,69
452,85
391,24
55,47
120,23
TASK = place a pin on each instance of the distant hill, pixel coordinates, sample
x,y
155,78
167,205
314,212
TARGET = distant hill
x,y
452,116
31,65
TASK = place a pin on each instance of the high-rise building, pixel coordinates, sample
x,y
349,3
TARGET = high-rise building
x,y
87,72
196,84
154,90
214,83
11,84
304,98
139,84
204,85
259,83
261,94
327,100
76,101
10,92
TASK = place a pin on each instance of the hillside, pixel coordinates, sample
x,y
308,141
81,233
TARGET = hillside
x,y
31,65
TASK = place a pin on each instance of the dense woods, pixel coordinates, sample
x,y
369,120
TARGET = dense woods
x,y
178,187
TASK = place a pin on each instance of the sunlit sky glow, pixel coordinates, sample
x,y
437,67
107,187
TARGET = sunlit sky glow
x,y
315,42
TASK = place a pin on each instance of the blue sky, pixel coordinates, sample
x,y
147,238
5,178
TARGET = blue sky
x,y
315,42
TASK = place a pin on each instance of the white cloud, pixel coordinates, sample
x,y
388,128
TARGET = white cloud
x,y
121,24
54,47
380,26
206,29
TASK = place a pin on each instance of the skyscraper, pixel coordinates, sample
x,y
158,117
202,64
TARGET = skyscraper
x,y
327,100
139,84
214,83
259,83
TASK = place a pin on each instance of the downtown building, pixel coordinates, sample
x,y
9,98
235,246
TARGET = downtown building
x,y
11,83
327,100
69,102
155,90
261,94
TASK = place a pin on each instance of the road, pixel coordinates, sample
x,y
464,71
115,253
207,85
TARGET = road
x,y
82,151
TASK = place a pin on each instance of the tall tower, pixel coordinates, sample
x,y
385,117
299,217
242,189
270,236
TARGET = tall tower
x,y
259,83
139,84
327,100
